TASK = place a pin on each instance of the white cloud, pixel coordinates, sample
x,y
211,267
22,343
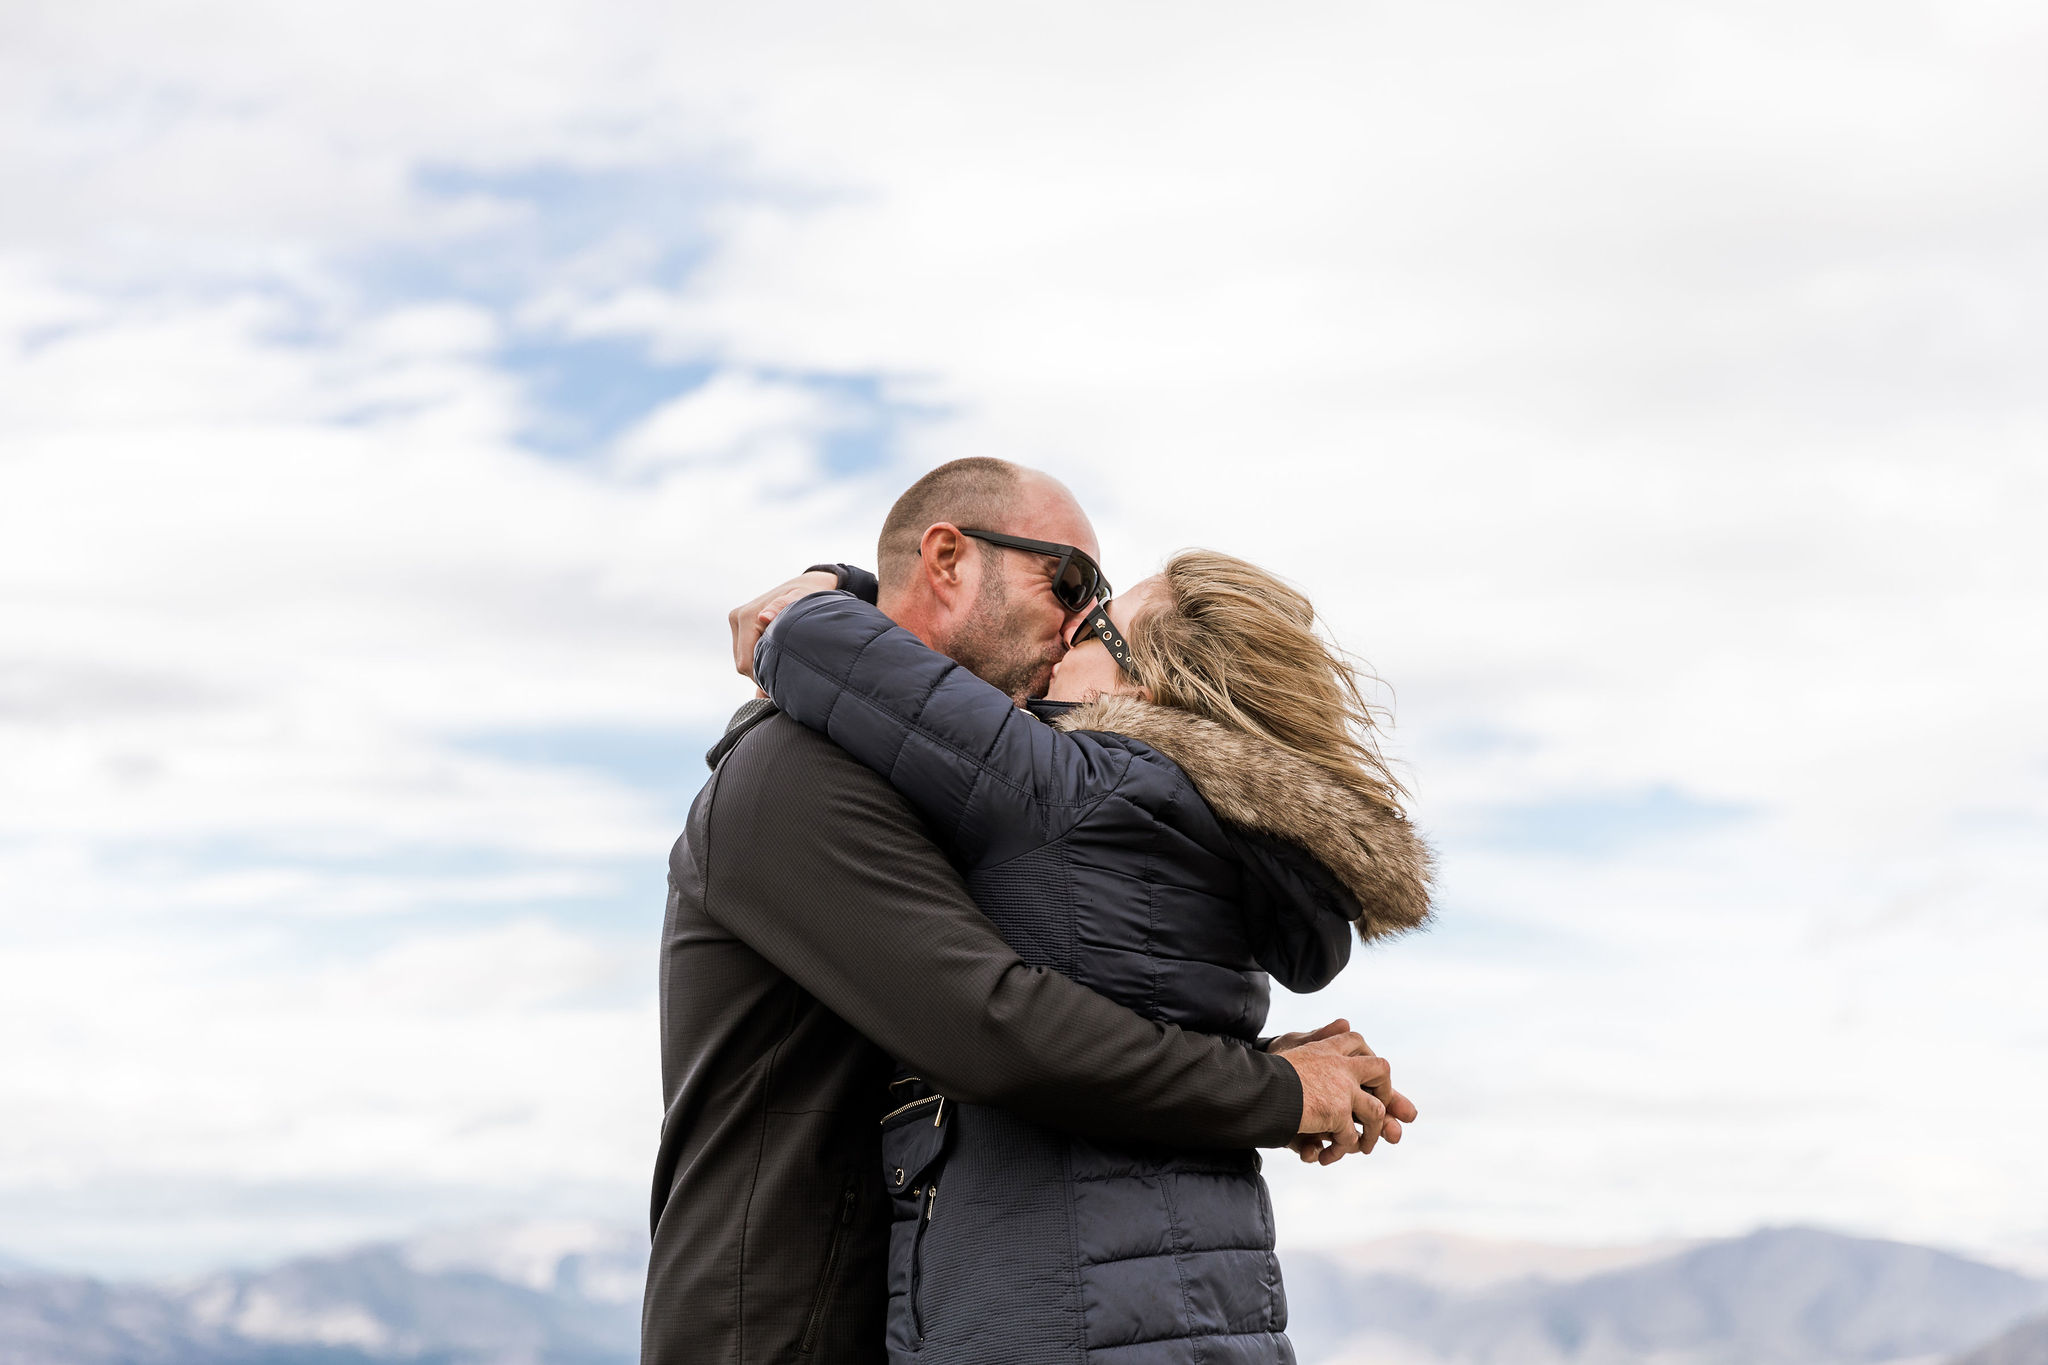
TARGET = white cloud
x,y
731,416
1649,394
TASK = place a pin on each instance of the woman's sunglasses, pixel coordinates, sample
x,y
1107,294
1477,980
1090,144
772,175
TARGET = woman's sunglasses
x,y
1098,627
1076,582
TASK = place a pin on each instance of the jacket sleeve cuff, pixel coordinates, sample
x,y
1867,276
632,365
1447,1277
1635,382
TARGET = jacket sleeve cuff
x,y
1279,1111
1272,1115
853,579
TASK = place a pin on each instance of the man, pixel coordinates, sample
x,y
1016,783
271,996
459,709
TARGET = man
x,y
814,931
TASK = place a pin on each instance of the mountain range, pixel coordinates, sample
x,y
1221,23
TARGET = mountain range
x,y
503,1294
1785,1296
569,1294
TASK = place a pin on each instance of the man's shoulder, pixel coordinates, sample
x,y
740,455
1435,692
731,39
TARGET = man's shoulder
x,y
775,744
788,806
782,768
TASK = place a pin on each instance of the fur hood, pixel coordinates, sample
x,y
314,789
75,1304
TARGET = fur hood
x,y
1259,786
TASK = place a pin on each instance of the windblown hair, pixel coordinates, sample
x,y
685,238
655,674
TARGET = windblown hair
x,y
1238,646
977,492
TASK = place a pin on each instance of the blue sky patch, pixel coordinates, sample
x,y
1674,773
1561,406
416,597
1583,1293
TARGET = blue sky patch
x,y
585,391
591,231
643,225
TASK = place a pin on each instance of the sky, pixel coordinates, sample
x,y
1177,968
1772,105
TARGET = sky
x,y
395,397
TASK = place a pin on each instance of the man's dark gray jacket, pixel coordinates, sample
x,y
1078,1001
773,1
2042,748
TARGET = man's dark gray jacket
x,y
813,931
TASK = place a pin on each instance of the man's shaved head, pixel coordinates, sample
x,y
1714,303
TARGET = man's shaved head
x,y
978,492
994,610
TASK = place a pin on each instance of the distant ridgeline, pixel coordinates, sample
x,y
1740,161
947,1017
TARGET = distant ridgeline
x,y
505,1296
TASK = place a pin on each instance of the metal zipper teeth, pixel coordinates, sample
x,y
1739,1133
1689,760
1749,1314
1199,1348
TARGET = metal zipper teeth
x,y
906,1108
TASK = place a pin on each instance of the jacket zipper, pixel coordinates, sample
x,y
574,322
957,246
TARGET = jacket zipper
x,y
846,1203
939,1100
931,1200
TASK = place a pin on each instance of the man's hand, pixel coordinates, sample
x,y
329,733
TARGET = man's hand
x,y
750,619
1287,1042
1348,1101
1308,1146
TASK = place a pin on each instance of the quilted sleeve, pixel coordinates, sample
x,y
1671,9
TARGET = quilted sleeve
x,y
992,780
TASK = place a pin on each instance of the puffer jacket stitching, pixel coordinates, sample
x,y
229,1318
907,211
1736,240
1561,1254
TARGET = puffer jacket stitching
x,y
1092,799
1126,1175
1177,1336
910,731
982,766
1078,1303
1109,946
1272,1266
1164,1255
915,730
1188,1336
1040,847
1158,832
843,688
1177,1235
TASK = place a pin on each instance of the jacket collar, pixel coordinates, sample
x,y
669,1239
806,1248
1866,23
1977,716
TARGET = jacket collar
x,y
743,720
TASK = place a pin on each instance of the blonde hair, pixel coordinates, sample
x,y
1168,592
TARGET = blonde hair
x,y
1239,646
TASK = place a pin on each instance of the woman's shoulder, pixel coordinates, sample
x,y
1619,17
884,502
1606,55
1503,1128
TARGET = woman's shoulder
x,y
1265,795
1149,773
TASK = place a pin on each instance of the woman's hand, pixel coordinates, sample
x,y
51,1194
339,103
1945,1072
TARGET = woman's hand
x,y
749,619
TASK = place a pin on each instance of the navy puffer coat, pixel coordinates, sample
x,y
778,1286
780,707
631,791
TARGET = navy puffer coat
x,y
1099,856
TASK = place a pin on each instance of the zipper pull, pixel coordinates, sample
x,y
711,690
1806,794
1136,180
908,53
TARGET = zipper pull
x,y
846,1206
940,1112
930,1201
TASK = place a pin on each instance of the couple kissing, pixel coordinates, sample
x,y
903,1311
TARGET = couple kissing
x,y
968,951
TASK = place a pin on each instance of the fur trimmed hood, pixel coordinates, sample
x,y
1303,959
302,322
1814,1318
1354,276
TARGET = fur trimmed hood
x,y
1249,782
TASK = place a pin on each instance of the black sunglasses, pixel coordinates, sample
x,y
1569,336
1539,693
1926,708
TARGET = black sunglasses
x,y
1098,626
1076,582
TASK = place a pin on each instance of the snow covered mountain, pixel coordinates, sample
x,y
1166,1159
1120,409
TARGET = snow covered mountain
x,y
565,1293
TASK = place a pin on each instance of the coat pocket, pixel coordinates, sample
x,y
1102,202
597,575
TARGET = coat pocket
x,y
849,1202
915,1136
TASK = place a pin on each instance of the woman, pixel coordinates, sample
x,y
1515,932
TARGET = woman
x,y
1208,809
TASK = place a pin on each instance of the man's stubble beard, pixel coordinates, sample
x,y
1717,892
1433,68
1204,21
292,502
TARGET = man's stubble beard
x,y
996,647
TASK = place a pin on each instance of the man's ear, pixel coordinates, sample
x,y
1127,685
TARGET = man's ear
x,y
942,557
